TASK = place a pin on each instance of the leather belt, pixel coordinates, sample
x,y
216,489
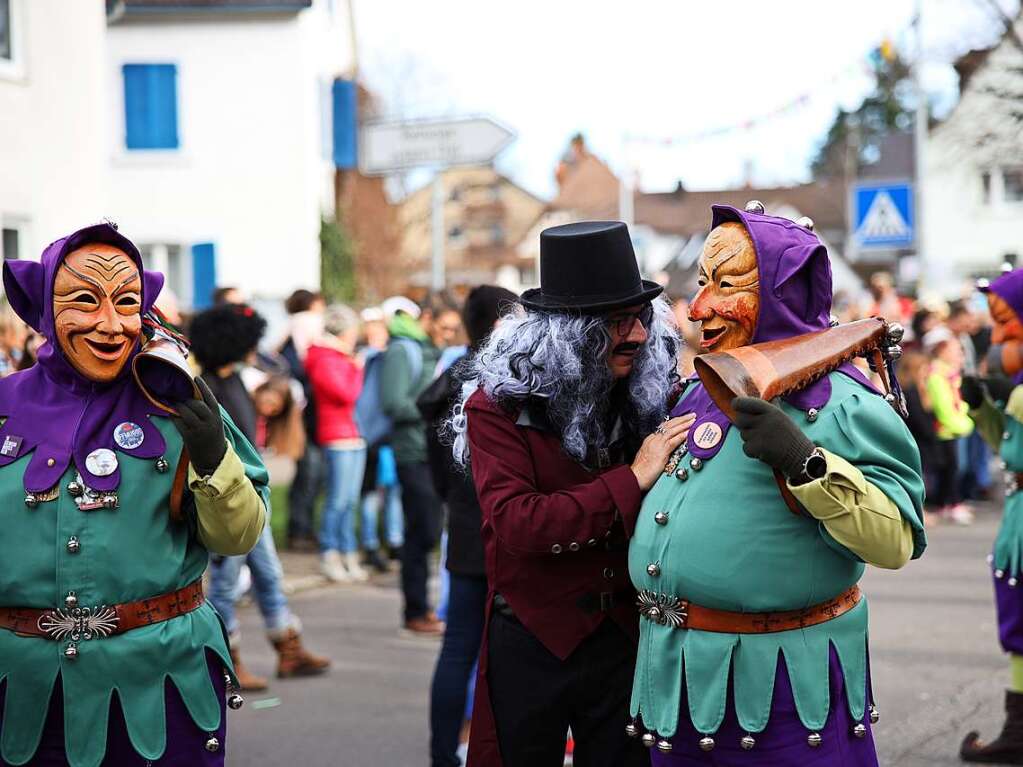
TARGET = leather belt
x,y
679,613
80,623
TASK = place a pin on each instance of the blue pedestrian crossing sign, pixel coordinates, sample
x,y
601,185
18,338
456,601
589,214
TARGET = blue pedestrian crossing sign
x,y
883,216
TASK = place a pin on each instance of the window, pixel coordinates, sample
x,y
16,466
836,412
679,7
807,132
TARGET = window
x,y
6,35
10,245
151,106
985,180
1012,182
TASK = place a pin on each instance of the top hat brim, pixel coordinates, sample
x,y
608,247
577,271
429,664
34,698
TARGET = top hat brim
x,y
535,299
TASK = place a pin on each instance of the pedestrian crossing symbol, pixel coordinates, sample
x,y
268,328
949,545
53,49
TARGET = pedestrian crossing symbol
x,y
883,215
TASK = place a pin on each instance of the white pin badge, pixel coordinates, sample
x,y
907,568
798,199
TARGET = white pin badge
x,y
707,434
101,463
128,435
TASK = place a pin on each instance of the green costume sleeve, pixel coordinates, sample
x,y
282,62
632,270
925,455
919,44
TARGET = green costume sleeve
x,y
857,514
953,420
230,514
990,423
871,438
233,503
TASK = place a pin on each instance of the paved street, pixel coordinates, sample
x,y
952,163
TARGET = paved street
x,y
937,669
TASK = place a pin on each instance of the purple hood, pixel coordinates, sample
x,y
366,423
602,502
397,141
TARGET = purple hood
x,y
1009,287
795,298
52,410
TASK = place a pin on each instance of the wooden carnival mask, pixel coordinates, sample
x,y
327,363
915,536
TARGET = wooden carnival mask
x,y
1007,325
97,304
728,301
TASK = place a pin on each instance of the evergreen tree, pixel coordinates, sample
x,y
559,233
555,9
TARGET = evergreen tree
x,y
854,137
337,263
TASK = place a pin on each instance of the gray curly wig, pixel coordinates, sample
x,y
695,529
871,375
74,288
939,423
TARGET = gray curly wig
x,y
562,358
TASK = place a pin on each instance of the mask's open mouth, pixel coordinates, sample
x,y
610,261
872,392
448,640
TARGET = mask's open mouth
x,y
710,336
106,350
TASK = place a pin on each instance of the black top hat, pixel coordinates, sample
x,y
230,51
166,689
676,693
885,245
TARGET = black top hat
x,y
588,266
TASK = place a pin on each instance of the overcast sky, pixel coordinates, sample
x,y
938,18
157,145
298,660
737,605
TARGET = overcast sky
x,y
631,75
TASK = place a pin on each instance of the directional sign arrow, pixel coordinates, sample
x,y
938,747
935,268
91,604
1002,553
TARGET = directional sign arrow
x,y
390,147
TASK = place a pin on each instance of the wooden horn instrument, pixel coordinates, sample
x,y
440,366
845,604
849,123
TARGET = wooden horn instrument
x,y
162,372
776,368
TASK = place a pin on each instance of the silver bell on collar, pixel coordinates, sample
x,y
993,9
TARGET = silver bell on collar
x,y
706,743
631,729
755,206
664,746
649,739
747,742
213,744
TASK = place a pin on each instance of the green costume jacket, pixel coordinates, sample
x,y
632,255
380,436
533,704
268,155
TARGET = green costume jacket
x,y
731,543
122,555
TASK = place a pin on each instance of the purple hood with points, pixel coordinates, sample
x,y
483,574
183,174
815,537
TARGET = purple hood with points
x,y
1009,287
795,298
52,410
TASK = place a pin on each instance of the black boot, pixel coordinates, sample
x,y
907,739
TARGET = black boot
x,y
376,561
1007,748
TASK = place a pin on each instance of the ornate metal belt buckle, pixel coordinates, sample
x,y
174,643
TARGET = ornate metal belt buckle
x,y
79,623
663,609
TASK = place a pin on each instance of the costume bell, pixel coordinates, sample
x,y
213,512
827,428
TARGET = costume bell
x,y
996,405
753,646
109,653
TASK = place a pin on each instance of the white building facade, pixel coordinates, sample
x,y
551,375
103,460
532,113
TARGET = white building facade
x,y
219,147
973,201
53,155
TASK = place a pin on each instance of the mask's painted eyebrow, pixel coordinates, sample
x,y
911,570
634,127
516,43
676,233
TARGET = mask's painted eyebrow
x,y
126,281
725,260
82,277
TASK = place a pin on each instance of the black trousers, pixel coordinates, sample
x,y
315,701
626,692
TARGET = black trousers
x,y
536,698
424,516
306,485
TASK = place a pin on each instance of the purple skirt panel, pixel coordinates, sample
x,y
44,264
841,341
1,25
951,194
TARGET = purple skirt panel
x,y
783,743
1009,602
186,743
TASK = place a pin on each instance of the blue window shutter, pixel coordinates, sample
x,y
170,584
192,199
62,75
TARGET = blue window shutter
x,y
345,112
204,274
151,106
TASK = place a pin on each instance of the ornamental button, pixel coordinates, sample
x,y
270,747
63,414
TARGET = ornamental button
x,y
73,545
653,569
661,517
556,548
71,600
609,573
573,546
591,542
75,489
71,651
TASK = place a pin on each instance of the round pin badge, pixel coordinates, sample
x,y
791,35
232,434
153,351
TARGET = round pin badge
x,y
706,434
101,463
128,435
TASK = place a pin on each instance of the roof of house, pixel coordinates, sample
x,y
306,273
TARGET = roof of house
x,y
687,213
144,7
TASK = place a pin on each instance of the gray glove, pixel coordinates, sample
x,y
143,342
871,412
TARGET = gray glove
x,y
771,436
202,429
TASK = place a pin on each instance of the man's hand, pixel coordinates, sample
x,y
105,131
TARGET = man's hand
x,y
771,436
658,447
202,429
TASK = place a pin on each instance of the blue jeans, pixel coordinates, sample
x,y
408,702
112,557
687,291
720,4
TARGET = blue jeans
x,y
452,676
394,521
344,484
267,580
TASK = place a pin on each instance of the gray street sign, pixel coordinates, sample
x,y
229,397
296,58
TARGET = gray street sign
x,y
395,146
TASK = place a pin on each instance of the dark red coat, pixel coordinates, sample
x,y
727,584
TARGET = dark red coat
x,y
555,535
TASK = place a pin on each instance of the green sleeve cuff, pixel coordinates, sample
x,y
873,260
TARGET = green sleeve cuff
x,y
229,511
1014,407
857,514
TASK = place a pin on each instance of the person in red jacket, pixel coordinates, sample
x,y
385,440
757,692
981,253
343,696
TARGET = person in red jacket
x,y
562,420
335,375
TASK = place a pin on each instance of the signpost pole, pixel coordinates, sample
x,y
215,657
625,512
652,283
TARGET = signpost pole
x,y
437,278
919,143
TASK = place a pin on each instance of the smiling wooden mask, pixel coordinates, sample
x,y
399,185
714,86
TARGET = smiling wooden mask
x,y
97,302
728,301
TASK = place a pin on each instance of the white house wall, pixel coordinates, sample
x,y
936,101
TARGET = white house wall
x,y
250,174
52,139
964,234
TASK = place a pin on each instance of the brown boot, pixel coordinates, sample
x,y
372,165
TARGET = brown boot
x,y
1007,748
294,660
246,679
